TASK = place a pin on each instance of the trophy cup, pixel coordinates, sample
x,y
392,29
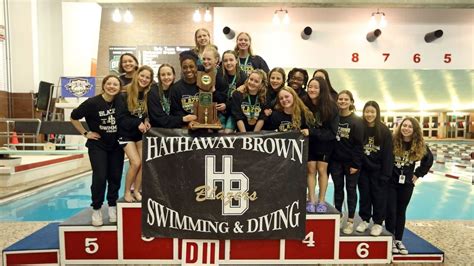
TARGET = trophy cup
x,y
205,109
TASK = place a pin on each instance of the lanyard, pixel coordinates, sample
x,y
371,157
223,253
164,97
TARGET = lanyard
x,y
165,103
231,86
246,60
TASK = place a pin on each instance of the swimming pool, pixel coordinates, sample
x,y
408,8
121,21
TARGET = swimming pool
x,y
435,198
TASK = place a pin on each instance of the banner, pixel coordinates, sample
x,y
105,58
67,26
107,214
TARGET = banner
x,y
233,186
77,86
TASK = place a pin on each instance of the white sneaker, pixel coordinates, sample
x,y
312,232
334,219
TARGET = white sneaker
x,y
349,228
97,217
362,227
376,230
401,248
394,247
113,214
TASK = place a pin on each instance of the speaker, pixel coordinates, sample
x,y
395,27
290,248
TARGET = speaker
x,y
45,92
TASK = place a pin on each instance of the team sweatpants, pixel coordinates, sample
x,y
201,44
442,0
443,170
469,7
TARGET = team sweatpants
x,y
340,175
373,196
399,196
107,169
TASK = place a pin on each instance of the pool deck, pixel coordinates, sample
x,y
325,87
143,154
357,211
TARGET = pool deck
x,y
453,237
18,190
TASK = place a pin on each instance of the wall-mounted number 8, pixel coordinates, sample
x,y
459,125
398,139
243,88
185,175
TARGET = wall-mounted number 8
x,y
363,250
309,240
91,246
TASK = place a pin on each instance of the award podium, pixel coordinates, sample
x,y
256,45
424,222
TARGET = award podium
x,y
76,241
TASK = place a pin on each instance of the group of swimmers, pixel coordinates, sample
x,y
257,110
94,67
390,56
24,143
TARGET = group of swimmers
x,y
356,152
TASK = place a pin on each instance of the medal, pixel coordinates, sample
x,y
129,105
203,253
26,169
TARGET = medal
x,y
252,121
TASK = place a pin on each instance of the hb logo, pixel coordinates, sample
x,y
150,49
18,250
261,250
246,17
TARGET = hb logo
x,y
231,183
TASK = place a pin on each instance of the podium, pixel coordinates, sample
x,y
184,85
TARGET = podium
x,y
76,241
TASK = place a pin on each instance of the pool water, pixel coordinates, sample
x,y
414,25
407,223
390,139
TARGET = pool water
x,y
435,198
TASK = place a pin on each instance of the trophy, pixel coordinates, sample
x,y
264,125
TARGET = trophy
x,y
204,108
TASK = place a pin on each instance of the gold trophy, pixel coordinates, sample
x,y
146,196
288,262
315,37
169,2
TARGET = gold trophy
x,y
205,109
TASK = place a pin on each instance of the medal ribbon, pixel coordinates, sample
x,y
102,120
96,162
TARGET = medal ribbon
x,y
252,107
231,85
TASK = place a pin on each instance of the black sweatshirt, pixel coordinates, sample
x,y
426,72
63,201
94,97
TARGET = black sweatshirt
x,y
271,98
128,122
350,134
243,110
124,80
405,166
253,62
378,156
159,115
224,82
323,131
182,98
100,118
282,122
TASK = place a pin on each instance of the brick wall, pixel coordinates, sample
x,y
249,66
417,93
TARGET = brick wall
x,y
152,25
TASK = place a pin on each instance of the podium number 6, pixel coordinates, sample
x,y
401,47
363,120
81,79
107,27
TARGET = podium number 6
x,y
309,240
362,250
91,246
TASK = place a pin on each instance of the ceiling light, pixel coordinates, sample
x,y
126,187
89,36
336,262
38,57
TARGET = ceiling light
x,y
197,16
378,20
116,17
128,17
277,19
208,16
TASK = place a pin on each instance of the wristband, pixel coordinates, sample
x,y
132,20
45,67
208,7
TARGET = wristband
x,y
85,134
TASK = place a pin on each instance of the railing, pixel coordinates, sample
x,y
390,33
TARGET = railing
x,y
33,132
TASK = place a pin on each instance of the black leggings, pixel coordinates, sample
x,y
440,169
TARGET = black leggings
x,y
107,169
373,192
399,196
339,170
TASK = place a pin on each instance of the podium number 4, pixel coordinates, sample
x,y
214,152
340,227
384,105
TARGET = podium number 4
x,y
91,246
363,250
309,240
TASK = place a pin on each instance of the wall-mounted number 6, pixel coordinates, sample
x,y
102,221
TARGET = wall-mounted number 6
x,y
91,246
363,250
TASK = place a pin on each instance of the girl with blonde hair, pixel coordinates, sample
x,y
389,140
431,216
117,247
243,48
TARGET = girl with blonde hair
x,y
133,122
248,60
248,102
290,112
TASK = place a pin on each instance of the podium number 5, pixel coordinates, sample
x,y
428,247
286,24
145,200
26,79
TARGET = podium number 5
x,y
362,250
91,246
309,240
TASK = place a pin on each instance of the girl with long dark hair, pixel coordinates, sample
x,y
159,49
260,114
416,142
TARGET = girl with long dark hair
x,y
376,170
346,160
128,64
321,141
409,147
